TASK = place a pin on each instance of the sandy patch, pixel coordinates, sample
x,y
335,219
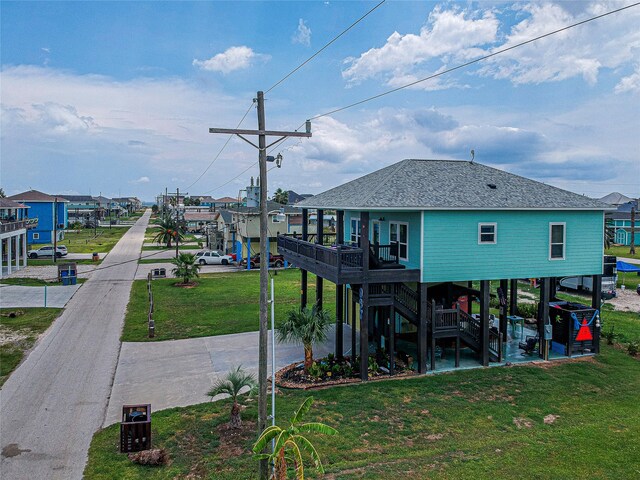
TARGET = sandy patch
x,y
627,301
8,336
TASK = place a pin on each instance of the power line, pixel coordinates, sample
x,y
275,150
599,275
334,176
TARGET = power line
x,y
323,48
466,64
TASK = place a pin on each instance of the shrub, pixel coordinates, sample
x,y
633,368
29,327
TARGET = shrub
x,y
633,348
528,310
315,371
336,370
610,335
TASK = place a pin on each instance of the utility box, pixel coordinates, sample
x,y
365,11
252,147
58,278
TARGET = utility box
x,y
135,429
158,273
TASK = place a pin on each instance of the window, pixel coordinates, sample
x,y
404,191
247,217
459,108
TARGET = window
x,y
36,236
487,233
557,239
399,232
355,231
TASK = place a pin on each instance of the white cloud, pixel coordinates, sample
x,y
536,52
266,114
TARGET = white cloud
x,y
302,35
234,58
630,83
452,33
141,180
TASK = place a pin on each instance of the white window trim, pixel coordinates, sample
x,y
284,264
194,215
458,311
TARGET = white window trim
x,y
406,259
36,236
358,232
564,240
495,232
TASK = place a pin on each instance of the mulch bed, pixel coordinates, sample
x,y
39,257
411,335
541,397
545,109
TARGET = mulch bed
x,y
292,376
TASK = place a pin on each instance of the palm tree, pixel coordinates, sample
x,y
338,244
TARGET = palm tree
x,y
307,327
281,196
232,384
291,442
167,231
186,267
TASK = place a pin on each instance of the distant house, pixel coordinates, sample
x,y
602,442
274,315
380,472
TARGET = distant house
x,y
621,220
616,199
14,223
130,204
81,208
412,237
51,213
293,197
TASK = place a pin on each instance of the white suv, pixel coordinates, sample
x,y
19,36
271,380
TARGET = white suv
x,y
47,251
213,258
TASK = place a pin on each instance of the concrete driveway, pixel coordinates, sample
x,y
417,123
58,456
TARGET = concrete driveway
x,y
15,296
178,373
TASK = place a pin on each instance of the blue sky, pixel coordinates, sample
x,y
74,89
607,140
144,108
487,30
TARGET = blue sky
x,y
117,97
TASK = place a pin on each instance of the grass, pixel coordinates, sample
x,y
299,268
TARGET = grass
x,y
84,241
622,251
49,261
173,247
28,326
157,260
471,424
222,303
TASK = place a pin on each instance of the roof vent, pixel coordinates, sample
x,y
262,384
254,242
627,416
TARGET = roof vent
x,y
492,186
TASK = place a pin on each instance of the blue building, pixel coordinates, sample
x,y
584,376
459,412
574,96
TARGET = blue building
x,y
51,213
419,240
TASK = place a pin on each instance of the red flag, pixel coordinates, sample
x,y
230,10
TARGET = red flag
x,y
584,333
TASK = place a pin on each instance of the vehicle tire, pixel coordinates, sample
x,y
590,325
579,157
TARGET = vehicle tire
x,y
33,255
278,264
253,265
225,262
58,255
202,262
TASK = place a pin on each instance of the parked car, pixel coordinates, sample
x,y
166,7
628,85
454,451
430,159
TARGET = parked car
x,y
47,251
213,257
276,261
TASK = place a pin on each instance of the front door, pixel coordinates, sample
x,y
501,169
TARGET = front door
x,y
375,238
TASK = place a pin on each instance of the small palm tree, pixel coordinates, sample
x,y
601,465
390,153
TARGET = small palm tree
x,y
307,327
281,196
167,231
186,267
232,384
290,442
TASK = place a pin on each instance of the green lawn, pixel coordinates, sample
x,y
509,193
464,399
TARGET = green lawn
x,y
623,251
221,304
32,323
49,261
173,247
85,241
472,424
152,260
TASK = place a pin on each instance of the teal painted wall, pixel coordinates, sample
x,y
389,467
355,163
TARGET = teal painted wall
x,y
452,252
411,218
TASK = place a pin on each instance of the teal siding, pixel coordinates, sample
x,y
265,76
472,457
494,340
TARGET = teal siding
x,y
411,218
452,252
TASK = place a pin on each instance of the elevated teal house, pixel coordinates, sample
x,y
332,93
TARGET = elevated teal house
x,y
413,239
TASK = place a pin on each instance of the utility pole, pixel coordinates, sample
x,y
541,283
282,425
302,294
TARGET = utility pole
x,y
55,230
264,263
177,219
632,250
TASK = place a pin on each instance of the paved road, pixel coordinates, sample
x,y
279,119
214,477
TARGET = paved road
x,y
179,372
17,296
54,402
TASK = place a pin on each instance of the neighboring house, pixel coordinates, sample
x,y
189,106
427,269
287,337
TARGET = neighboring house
x,y
51,213
14,223
225,202
412,237
616,199
130,204
621,223
81,208
247,227
197,221
293,197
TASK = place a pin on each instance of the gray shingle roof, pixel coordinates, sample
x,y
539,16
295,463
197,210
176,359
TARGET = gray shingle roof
x,y
447,184
35,196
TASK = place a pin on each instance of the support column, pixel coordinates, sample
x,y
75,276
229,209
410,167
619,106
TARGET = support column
x,y
392,340
513,297
9,254
484,322
422,329
503,310
24,249
353,321
1,256
596,300
364,331
319,241
544,318
339,321
303,273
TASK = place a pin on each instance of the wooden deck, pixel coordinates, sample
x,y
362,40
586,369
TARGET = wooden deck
x,y
340,264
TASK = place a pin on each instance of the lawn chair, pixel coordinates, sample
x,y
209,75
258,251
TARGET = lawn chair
x,y
529,345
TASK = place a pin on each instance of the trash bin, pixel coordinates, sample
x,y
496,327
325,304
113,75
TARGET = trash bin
x,y
135,428
65,281
73,280
95,257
